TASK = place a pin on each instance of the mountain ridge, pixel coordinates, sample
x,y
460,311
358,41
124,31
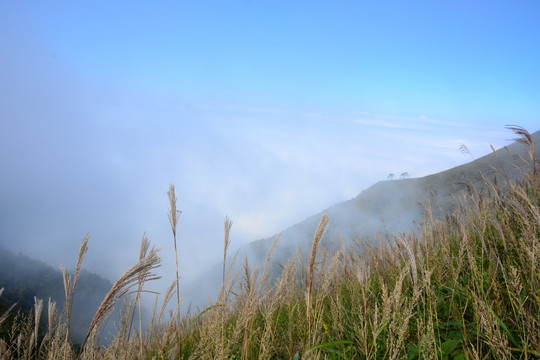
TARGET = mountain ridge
x,y
24,278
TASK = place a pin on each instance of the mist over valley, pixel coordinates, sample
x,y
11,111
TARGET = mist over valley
x,y
378,215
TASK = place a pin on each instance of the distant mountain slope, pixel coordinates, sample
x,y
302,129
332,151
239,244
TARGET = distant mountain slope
x,y
23,278
395,205
388,206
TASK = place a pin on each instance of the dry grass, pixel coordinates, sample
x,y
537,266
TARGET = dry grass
x,y
466,287
319,233
70,284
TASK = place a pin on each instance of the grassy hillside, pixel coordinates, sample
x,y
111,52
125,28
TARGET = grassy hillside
x,y
392,206
464,286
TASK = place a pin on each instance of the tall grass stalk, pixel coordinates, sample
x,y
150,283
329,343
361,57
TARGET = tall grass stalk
x,y
226,243
122,286
173,220
69,287
317,237
143,250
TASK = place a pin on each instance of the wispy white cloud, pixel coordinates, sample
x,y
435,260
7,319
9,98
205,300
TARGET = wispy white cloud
x,y
419,123
378,123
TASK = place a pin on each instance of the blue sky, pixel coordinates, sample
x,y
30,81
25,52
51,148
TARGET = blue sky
x,y
451,59
268,111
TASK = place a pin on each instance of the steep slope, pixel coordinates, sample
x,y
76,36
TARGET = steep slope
x,y
398,205
391,206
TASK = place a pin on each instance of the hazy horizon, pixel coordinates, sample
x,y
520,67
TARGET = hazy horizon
x,y
268,112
